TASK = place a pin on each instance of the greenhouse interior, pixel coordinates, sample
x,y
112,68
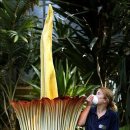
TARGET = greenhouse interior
x,y
64,65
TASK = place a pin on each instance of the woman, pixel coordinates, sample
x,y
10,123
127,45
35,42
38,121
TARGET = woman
x,y
103,116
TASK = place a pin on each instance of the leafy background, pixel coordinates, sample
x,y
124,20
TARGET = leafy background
x,y
91,47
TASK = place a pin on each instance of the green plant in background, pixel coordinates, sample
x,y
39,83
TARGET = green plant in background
x,y
70,81
16,29
127,127
71,43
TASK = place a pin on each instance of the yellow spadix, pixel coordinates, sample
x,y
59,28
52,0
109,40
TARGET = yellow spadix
x,y
48,78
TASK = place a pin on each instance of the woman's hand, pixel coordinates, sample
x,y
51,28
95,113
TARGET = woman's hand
x,y
89,100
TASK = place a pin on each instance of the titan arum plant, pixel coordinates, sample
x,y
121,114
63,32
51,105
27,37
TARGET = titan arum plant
x,y
50,112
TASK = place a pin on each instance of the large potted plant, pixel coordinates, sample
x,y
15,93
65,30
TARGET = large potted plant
x,y
50,112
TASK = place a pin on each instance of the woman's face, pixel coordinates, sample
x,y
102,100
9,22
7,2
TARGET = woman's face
x,y
101,97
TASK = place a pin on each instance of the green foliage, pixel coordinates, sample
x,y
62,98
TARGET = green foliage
x,y
16,30
34,82
127,127
70,81
71,43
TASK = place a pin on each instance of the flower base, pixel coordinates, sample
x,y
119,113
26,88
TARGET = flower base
x,y
45,114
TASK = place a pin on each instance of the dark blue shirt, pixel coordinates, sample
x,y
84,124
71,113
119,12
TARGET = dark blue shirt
x,y
109,121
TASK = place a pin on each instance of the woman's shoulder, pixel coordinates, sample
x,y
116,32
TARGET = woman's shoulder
x,y
112,113
93,109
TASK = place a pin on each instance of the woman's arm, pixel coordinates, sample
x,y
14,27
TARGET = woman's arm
x,y
84,114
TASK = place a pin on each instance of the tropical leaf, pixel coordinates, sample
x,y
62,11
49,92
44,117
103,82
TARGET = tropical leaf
x,y
70,81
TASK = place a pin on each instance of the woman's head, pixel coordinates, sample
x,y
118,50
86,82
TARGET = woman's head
x,y
105,96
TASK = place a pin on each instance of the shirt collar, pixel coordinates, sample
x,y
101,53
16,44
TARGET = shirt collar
x,y
94,111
